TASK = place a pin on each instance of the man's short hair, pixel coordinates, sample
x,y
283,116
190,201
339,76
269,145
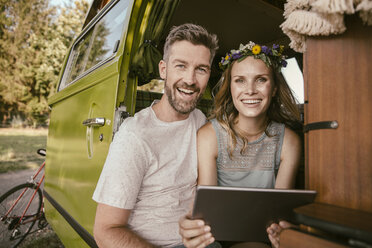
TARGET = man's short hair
x,y
193,33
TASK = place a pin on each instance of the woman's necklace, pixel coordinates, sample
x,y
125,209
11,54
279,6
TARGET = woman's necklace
x,y
252,136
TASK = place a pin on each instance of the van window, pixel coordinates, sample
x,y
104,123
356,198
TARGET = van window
x,y
97,45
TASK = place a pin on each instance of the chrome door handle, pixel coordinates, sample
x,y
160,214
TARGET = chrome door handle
x,y
94,122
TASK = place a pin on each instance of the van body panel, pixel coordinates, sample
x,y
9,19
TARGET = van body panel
x,y
77,152
70,238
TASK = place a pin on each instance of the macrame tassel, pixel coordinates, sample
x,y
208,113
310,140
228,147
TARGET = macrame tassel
x,y
365,11
293,5
311,23
298,41
303,23
333,6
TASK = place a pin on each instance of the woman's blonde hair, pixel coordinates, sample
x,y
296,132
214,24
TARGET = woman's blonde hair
x,y
282,109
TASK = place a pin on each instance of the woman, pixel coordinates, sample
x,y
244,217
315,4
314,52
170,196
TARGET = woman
x,y
249,141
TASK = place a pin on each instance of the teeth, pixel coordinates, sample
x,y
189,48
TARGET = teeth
x,y
251,101
186,91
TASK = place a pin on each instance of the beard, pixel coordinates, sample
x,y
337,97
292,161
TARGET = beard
x,y
180,105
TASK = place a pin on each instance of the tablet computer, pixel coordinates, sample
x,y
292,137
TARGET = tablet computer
x,y
243,214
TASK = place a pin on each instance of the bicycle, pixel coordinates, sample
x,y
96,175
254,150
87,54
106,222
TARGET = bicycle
x,y
21,207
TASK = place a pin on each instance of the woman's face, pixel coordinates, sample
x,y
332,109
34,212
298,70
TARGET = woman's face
x,y
252,87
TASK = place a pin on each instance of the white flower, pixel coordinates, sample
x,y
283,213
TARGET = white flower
x,y
250,45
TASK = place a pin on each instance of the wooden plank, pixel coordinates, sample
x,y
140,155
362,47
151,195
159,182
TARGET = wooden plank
x,y
343,222
293,239
338,86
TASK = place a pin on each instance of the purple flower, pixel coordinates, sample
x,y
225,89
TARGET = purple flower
x,y
284,63
275,46
236,55
266,50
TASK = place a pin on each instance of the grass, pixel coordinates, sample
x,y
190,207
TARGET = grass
x,y
18,148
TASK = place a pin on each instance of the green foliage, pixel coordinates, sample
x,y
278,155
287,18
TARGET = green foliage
x,y
34,39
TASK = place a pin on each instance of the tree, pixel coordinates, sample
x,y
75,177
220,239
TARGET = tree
x,y
34,39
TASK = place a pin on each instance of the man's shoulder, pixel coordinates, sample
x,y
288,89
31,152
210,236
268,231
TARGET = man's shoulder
x,y
199,117
198,113
138,120
137,124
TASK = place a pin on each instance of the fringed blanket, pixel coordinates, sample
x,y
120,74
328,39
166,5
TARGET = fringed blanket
x,y
320,17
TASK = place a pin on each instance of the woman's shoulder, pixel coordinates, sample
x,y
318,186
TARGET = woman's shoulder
x,y
274,124
276,128
206,130
291,137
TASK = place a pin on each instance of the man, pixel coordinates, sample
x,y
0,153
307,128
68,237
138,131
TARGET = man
x,y
150,172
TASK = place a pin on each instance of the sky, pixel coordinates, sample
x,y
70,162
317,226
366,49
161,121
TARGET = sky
x,y
59,2
62,2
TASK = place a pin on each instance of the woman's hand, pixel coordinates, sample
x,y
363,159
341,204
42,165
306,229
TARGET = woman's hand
x,y
274,231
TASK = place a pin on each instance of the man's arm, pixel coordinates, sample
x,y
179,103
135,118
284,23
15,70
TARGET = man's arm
x,y
110,228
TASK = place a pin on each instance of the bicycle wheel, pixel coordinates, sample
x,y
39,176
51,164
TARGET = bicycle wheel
x,y
12,234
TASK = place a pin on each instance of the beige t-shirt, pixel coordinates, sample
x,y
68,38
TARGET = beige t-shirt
x,y
151,168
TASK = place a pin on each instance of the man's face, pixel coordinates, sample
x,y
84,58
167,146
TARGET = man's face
x,y
186,74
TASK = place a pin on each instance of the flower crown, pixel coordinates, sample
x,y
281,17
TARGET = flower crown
x,y
271,56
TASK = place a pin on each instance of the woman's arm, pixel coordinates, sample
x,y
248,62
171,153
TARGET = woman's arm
x,y
207,154
195,233
289,160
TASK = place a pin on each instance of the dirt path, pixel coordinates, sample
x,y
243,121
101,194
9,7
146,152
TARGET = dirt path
x,y
10,179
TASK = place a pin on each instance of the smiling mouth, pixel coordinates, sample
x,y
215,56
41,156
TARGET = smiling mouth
x,y
186,91
255,101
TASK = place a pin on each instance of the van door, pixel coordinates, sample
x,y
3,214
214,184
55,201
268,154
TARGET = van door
x,y
81,123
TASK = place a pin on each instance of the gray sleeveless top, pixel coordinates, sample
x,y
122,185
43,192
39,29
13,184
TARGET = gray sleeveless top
x,y
257,166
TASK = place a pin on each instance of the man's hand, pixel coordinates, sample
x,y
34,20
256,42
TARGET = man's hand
x,y
195,234
274,231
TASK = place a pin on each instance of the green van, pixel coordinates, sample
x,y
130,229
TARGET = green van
x,y
109,74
